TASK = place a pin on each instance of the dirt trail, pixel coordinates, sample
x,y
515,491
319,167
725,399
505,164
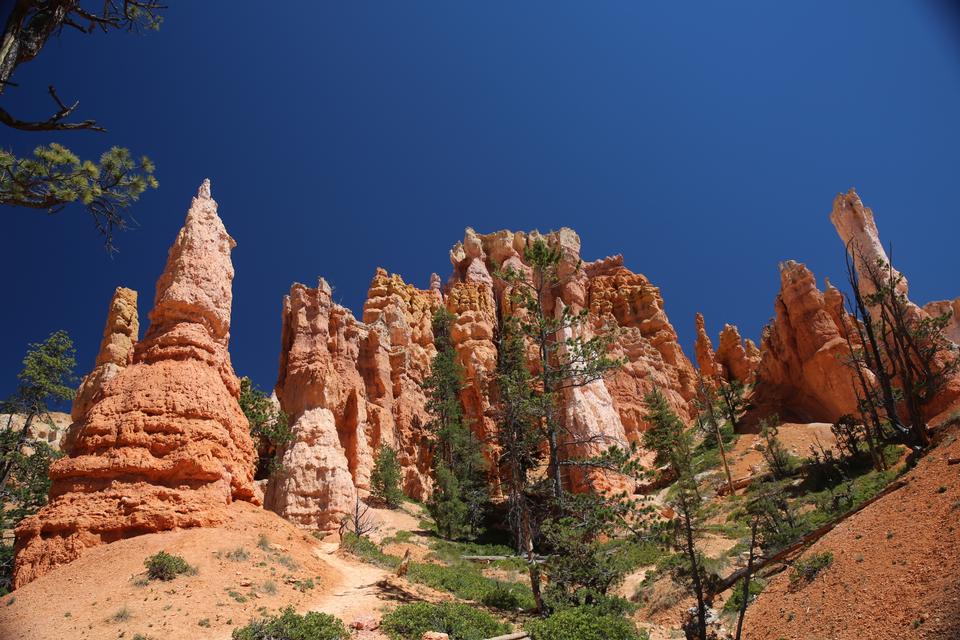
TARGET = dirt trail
x,y
361,593
357,595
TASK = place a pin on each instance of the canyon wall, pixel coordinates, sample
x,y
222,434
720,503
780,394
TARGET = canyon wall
x,y
352,385
349,387
163,443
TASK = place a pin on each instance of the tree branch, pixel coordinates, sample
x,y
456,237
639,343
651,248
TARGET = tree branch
x,y
54,122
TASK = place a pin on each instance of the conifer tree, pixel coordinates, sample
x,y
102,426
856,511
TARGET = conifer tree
x,y
669,440
566,358
385,477
460,494
269,427
519,440
774,452
53,177
666,436
47,378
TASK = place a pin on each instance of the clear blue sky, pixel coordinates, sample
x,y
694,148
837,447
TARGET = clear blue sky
x,y
703,140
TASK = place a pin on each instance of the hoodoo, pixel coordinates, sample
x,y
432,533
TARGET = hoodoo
x,y
164,444
351,386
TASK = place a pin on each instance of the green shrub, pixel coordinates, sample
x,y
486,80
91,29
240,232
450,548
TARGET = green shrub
x,y
385,478
366,549
459,621
501,596
290,625
732,605
163,566
806,569
465,581
583,623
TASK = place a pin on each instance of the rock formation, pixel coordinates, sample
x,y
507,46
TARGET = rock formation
x,y
802,374
633,306
605,412
349,387
164,444
116,351
51,429
856,227
858,230
739,358
941,307
734,359
706,357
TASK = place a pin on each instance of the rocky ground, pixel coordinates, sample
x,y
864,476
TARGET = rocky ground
x,y
895,570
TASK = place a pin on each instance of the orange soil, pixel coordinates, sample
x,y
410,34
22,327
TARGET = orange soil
x,y
895,572
79,599
744,457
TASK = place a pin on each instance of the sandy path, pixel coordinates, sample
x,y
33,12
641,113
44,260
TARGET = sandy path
x,y
361,593
357,594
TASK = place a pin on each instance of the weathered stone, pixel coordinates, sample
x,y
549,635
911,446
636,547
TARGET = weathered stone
x,y
706,357
165,444
802,374
116,351
739,359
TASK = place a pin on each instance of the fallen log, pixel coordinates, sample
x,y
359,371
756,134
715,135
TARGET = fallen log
x,y
741,483
538,559
520,635
803,542
953,460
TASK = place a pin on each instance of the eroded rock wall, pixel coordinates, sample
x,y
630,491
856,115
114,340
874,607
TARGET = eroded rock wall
x,y
802,372
333,367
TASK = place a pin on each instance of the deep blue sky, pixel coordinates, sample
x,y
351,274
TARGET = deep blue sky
x,y
703,140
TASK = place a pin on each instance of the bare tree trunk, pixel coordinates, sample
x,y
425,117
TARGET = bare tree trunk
x,y
746,578
8,464
872,352
21,41
532,565
723,456
694,567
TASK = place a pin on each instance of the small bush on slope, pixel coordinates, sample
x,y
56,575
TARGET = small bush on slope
x,y
459,621
807,569
583,623
290,625
163,566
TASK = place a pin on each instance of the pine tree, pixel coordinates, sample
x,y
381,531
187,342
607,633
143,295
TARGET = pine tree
x,y
46,379
705,401
519,440
731,393
666,436
518,434
774,453
53,177
460,496
671,443
269,427
385,477
566,359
